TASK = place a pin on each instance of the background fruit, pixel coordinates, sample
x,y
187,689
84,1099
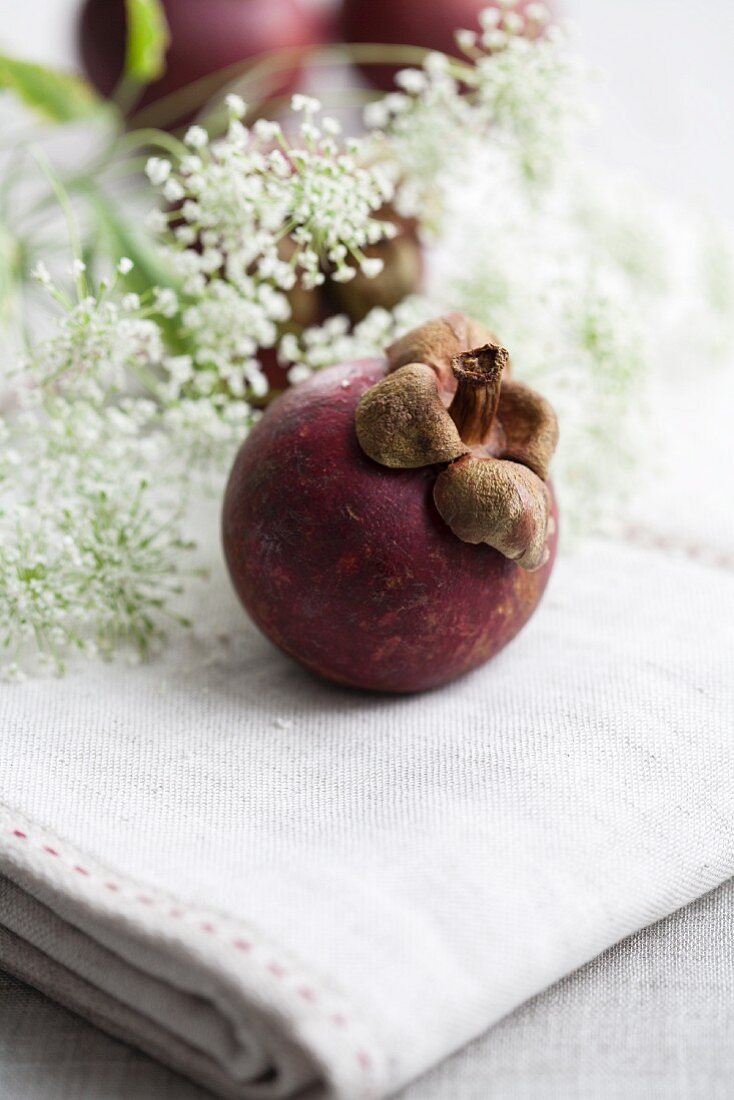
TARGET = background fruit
x,y
410,23
205,36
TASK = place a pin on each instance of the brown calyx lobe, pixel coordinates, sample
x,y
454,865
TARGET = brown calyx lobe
x,y
442,403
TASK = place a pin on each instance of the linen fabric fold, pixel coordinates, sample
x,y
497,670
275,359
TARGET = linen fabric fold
x,y
282,888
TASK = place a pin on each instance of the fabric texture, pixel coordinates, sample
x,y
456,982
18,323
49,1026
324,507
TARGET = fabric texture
x,y
650,1019
282,888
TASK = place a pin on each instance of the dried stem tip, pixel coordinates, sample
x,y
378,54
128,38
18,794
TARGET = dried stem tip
x,y
478,375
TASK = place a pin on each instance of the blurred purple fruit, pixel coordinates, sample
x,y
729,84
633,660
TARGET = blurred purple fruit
x,y
428,23
206,36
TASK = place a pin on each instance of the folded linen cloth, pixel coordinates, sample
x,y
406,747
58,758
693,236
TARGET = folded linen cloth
x,y
282,888
651,1017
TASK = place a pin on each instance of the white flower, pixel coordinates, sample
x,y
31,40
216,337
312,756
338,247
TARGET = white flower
x,y
165,301
196,137
436,64
237,134
156,221
495,39
258,384
489,18
125,265
343,274
158,170
40,273
228,324
412,81
514,22
299,374
236,105
173,191
466,40
190,163
376,114
333,342
306,103
371,267
266,130
537,13
90,546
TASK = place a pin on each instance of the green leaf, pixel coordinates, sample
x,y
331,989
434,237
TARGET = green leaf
x,y
59,96
124,239
147,40
10,273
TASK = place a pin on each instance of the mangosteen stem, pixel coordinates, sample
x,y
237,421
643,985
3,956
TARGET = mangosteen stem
x,y
479,378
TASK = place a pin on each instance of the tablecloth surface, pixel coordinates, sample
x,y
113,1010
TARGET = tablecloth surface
x,y
251,873
650,1019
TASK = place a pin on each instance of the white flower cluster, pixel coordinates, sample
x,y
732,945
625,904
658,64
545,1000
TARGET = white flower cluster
x,y
528,95
89,507
104,342
109,414
426,129
97,340
519,87
336,341
562,255
252,216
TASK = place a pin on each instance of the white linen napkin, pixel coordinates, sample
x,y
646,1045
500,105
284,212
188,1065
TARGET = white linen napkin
x,y
651,1017
283,888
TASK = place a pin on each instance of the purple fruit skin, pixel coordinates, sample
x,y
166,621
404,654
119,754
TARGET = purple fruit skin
x,y
346,565
205,36
411,23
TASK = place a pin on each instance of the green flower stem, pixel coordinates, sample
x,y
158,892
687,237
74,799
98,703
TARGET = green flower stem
x,y
179,103
62,197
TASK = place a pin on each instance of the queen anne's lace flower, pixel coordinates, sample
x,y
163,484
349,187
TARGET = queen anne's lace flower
x,y
236,202
95,344
89,502
93,490
336,342
518,88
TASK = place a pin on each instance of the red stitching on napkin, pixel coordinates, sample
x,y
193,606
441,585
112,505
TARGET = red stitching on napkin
x,y
306,993
642,536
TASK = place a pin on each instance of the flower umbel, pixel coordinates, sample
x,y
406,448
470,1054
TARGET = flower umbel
x,y
90,507
254,215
